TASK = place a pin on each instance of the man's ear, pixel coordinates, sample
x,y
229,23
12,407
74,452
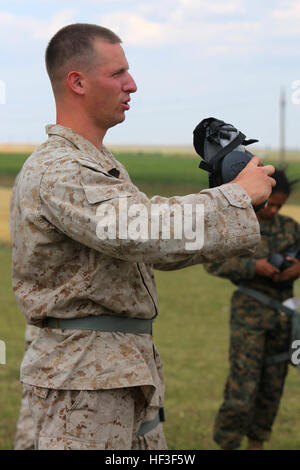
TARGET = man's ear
x,y
76,82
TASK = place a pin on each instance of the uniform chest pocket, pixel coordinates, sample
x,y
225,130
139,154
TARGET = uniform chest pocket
x,y
100,186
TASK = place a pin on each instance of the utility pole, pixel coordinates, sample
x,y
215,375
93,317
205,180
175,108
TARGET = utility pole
x,y
282,127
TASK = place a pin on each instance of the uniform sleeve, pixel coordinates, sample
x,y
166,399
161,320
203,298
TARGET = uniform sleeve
x,y
236,269
111,215
297,233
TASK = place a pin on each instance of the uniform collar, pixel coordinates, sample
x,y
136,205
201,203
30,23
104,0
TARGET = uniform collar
x,y
271,226
88,150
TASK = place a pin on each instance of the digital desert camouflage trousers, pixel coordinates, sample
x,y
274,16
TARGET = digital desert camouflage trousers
x,y
92,420
253,390
101,419
24,439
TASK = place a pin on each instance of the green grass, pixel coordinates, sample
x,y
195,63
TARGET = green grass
x,y
11,163
154,170
146,168
191,334
12,333
191,331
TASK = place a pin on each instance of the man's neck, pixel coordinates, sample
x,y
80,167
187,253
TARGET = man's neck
x,y
86,130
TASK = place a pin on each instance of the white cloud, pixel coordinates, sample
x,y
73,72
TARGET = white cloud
x,y
35,28
134,29
216,7
74,3
286,19
209,37
206,27
289,12
45,30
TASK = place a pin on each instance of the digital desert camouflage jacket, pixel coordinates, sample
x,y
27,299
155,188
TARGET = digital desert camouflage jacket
x,y
61,268
277,235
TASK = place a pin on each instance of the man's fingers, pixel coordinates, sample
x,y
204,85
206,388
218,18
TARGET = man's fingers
x,y
269,169
256,180
272,270
255,161
273,182
275,271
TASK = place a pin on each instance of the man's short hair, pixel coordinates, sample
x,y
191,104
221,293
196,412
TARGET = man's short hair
x,y
73,45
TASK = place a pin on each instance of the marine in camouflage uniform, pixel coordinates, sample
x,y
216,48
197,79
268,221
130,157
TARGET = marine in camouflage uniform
x,y
61,269
253,390
93,388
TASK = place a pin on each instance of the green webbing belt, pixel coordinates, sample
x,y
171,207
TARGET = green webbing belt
x,y
266,300
149,425
110,323
275,305
102,323
280,357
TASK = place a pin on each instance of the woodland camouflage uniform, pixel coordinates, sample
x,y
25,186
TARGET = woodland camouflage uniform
x,y
253,390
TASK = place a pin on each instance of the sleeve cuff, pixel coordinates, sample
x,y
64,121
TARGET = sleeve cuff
x,y
251,268
235,195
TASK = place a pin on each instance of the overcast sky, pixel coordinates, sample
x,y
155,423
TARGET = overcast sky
x,y
191,59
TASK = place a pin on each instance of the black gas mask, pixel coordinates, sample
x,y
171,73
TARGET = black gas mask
x,y
222,148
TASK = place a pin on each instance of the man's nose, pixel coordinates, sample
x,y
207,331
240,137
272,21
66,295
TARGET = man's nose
x,y
130,85
274,209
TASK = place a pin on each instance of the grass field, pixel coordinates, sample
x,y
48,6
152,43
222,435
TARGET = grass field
x,y
156,170
191,332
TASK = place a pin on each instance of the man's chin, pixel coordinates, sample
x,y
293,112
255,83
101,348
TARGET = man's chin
x,y
118,120
266,218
